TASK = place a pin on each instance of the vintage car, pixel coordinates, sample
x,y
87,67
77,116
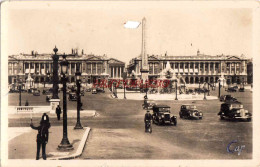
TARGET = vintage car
x,y
88,90
162,115
241,89
226,98
100,90
231,89
190,111
234,110
36,93
72,97
46,91
48,97
94,91
148,104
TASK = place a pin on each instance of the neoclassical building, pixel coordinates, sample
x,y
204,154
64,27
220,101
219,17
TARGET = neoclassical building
x,y
40,67
194,69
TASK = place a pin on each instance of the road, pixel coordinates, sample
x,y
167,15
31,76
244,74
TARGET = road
x,y
118,130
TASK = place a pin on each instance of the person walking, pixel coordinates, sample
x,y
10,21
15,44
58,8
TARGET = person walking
x,y
26,103
42,136
58,112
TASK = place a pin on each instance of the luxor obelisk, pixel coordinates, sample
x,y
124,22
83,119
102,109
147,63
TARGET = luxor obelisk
x,y
144,68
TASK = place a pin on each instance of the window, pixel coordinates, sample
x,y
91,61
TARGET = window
x,y
150,68
177,65
94,68
156,68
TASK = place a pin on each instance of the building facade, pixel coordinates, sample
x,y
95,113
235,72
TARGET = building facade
x,y
40,67
195,69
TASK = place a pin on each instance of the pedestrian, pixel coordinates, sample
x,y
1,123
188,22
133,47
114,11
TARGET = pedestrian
x,y
58,112
26,103
42,136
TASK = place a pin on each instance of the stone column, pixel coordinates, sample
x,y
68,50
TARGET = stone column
x,y
189,68
44,66
214,68
75,67
91,68
230,66
173,66
113,72
120,72
240,68
39,68
235,71
199,68
179,67
204,64
96,68
153,68
194,64
12,68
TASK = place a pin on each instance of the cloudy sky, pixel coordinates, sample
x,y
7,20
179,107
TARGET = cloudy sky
x,y
98,27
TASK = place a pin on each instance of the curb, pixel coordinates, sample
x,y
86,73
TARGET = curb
x,y
79,150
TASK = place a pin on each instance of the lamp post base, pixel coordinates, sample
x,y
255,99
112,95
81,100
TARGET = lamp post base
x,y
65,145
78,126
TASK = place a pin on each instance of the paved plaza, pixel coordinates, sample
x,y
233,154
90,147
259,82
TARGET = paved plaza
x,y
117,129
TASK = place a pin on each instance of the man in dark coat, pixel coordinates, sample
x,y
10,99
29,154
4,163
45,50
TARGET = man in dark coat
x,y
147,119
42,136
58,112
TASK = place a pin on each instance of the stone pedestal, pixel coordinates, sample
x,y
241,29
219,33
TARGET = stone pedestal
x,y
54,103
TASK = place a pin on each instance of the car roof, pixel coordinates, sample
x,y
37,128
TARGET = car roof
x,y
232,102
161,106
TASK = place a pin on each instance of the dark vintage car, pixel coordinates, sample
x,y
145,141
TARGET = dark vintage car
x,y
72,97
226,98
200,90
48,97
148,104
36,93
241,89
234,110
100,90
46,91
231,89
162,115
190,111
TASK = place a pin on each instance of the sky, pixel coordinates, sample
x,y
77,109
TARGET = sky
x,y
98,28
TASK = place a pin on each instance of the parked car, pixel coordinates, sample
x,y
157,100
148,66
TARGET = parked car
x,y
234,110
36,93
100,90
46,91
231,89
226,98
241,89
48,97
72,97
148,105
94,91
82,93
88,90
190,111
161,115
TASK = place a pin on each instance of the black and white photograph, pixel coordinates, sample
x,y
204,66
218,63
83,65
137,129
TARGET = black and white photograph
x,y
129,83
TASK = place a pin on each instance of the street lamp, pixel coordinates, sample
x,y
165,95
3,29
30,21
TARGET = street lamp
x,y
65,144
204,93
199,87
55,76
176,87
208,89
78,124
219,88
20,93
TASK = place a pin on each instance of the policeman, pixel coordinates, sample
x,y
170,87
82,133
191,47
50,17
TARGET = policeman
x,y
42,136
58,112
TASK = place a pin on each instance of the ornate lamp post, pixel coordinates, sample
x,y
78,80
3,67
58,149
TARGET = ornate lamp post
x,y
65,144
219,87
20,92
208,89
78,124
204,93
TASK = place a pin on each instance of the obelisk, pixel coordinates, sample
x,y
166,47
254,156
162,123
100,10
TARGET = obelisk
x,y
144,67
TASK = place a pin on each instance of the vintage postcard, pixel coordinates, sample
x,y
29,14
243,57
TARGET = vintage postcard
x,y
130,83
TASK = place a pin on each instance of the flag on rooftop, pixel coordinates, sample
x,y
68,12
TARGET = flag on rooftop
x,y
132,24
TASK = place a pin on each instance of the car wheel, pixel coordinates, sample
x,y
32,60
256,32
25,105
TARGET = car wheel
x,y
221,117
200,117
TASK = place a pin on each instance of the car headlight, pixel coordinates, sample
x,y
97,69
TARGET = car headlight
x,y
246,111
237,111
162,116
200,113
